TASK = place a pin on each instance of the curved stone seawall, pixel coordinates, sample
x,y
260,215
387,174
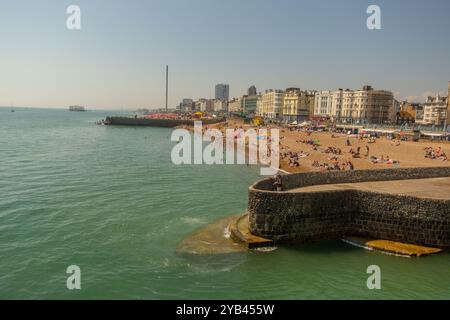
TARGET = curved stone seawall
x,y
331,214
145,122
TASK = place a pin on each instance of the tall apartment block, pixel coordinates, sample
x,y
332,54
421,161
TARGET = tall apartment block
x,y
222,92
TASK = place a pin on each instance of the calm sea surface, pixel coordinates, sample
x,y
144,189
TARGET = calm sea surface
x,y
109,200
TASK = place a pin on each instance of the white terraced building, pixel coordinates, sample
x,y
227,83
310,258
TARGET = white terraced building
x,y
355,106
328,103
323,103
434,111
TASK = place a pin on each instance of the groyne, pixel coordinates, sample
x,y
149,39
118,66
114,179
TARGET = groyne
x,y
300,216
148,122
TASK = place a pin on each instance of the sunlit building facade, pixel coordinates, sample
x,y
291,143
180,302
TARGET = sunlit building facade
x,y
272,103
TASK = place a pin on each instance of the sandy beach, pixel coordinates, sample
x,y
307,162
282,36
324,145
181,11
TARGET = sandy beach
x,y
381,153
408,154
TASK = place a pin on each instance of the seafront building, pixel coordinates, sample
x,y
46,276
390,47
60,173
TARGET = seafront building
x,y
356,106
220,105
187,105
418,108
363,106
379,106
367,105
259,106
235,105
197,105
323,103
271,103
435,111
336,104
222,92
409,113
394,111
310,100
250,104
204,105
328,103
404,117
296,105
247,104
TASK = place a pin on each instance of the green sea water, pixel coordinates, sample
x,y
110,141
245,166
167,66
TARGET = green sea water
x,y
109,200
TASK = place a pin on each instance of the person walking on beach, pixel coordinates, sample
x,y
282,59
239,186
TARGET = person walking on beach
x,y
351,167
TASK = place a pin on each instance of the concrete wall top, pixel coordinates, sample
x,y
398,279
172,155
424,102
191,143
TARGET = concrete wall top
x,y
299,180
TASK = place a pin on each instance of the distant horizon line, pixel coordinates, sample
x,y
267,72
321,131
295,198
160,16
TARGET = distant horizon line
x,y
87,108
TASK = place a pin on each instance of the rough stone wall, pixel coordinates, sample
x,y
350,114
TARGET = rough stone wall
x,y
402,218
300,217
313,216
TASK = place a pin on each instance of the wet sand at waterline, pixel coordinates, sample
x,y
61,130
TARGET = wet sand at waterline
x,y
211,239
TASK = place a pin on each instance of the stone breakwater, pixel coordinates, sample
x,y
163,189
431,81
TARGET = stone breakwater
x,y
308,216
146,122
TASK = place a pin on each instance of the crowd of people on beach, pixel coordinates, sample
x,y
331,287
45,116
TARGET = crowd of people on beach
x,y
359,148
435,154
352,148
333,150
293,158
310,142
335,166
384,160
357,153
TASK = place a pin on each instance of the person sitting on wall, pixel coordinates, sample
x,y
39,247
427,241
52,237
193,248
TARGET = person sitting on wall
x,y
278,183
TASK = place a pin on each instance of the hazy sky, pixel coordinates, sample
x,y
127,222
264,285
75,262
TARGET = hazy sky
x,y
117,59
